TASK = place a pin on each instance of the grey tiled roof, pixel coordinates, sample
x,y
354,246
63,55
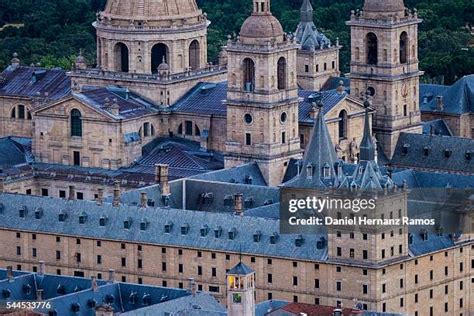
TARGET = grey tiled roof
x,y
454,154
242,242
240,269
64,292
457,99
208,99
32,82
439,127
307,34
333,82
247,174
131,105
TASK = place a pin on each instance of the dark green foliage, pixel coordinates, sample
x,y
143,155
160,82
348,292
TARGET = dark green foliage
x,y
55,30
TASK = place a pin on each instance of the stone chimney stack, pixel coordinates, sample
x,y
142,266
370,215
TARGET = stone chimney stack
x,y
116,200
111,276
161,177
439,103
94,283
100,196
2,184
238,204
143,200
42,268
10,273
72,193
192,286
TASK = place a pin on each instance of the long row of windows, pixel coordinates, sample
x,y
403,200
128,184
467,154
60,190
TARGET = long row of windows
x,y
20,112
372,48
248,66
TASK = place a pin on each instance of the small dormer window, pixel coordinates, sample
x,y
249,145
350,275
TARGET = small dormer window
x,y
405,149
61,290
248,179
144,224
257,236
326,171
321,243
22,212
424,234
468,155
447,153
410,238
204,230
92,303
62,216
133,298
102,221
268,202
127,224
82,218
6,293
109,299
27,289
184,229
427,151
440,231
274,238
218,232
228,200
299,241
2,208
232,233
38,213
309,171
75,307
248,203
168,227
146,299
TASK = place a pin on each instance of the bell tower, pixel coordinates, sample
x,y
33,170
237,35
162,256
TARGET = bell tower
x,y
240,291
384,62
262,98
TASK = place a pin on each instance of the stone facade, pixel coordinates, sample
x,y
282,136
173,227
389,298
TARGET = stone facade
x,y
461,125
16,116
315,67
102,144
425,283
384,61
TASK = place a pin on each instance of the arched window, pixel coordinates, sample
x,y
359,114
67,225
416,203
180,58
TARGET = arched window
x,y
76,123
146,129
281,72
194,55
343,125
249,75
28,115
372,49
159,52
13,113
21,111
121,57
180,129
198,131
404,48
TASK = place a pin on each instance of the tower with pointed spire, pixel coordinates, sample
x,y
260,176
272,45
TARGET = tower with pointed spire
x,y
384,61
262,96
318,58
240,291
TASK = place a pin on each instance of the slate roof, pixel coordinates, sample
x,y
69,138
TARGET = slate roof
x,y
130,104
209,99
241,269
262,308
14,151
457,99
248,174
32,82
156,219
333,82
307,34
439,127
66,292
296,309
452,154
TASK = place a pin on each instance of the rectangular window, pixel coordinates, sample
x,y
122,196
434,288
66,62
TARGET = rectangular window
x,y
365,254
214,272
99,259
316,283
180,268
248,139
283,137
199,270
78,257
214,289
44,192
338,286
34,252
18,251
188,128
339,251
269,278
140,264
295,280
77,158
62,194
365,289
306,68
384,288
163,266
58,255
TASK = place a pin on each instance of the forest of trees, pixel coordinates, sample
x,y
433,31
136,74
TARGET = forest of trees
x,y
51,32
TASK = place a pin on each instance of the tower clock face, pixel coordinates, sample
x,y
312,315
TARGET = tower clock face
x,y
237,298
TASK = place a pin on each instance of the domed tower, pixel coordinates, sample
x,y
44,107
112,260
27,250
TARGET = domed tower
x,y
384,61
136,35
262,97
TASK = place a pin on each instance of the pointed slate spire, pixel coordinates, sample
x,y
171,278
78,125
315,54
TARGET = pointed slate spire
x,y
306,11
367,147
320,157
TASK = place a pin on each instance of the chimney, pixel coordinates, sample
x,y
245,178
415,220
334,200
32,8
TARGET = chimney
x,y
341,89
238,205
192,286
42,268
161,177
72,193
100,196
143,200
94,283
39,294
10,273
115,107
2,184
111,276
116,201
439,103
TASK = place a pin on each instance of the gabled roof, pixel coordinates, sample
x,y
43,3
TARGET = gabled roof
x,y
307,34
33,82
240,269
14,151
457,99
425,152
438,127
